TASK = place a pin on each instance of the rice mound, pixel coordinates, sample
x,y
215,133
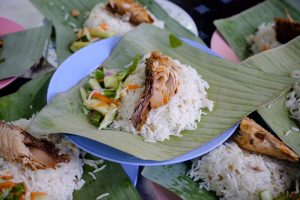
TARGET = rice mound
x,y
116,23
293,102
237,174
58,183
264,39
180,113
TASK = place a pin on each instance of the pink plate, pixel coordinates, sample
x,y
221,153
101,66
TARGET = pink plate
x,y
8,26
221,47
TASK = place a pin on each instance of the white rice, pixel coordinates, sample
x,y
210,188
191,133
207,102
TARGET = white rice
x,y
116,23
293,102
264,39
179,114
58,183
236,174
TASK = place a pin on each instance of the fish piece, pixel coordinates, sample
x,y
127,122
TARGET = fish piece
x,y
18,145
161,84
286,30
137,14
253,137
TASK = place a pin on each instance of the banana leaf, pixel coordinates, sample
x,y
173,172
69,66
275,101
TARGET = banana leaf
x,y
236,91
111,180
56,11
235,29
22,50
275,114
173,177
29,99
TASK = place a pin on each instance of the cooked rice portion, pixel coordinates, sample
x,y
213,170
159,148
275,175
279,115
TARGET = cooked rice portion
x,y
182,112
237,174
116,23
57,183
264,39
293,102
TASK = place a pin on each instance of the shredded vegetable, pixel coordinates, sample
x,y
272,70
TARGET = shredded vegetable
x,y
101,96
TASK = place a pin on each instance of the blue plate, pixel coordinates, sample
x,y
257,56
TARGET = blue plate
x,y
80,65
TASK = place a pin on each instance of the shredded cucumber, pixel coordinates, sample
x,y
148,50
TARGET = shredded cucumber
x,y
265,195
99,74
83,94
108,118
94,84
110,93
78,45
93,104
101,34
111,82
95,117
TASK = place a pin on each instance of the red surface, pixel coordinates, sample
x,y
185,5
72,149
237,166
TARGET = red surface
x,y
8,26
221,47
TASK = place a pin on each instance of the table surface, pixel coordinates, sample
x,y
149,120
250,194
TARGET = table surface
x,y
203,12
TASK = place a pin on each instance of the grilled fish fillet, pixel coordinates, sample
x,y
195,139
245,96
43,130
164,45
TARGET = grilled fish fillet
x,y
286,30
18,145
160,86
253,137
137,13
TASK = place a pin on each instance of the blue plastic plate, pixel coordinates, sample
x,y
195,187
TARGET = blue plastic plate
x,y
80,65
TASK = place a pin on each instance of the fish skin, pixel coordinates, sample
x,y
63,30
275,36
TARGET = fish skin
x,y
137,13
162,83
254,138
286,30
17,145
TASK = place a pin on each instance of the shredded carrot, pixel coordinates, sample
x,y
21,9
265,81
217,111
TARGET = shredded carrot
x,y
104,26
133,87
6,177
101,104
99,96
7,184
34,195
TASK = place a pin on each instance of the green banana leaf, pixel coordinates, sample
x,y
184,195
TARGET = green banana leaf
x,y
236,91
173,177
22,50
29,99
276,115
111,180
235,29
56,10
